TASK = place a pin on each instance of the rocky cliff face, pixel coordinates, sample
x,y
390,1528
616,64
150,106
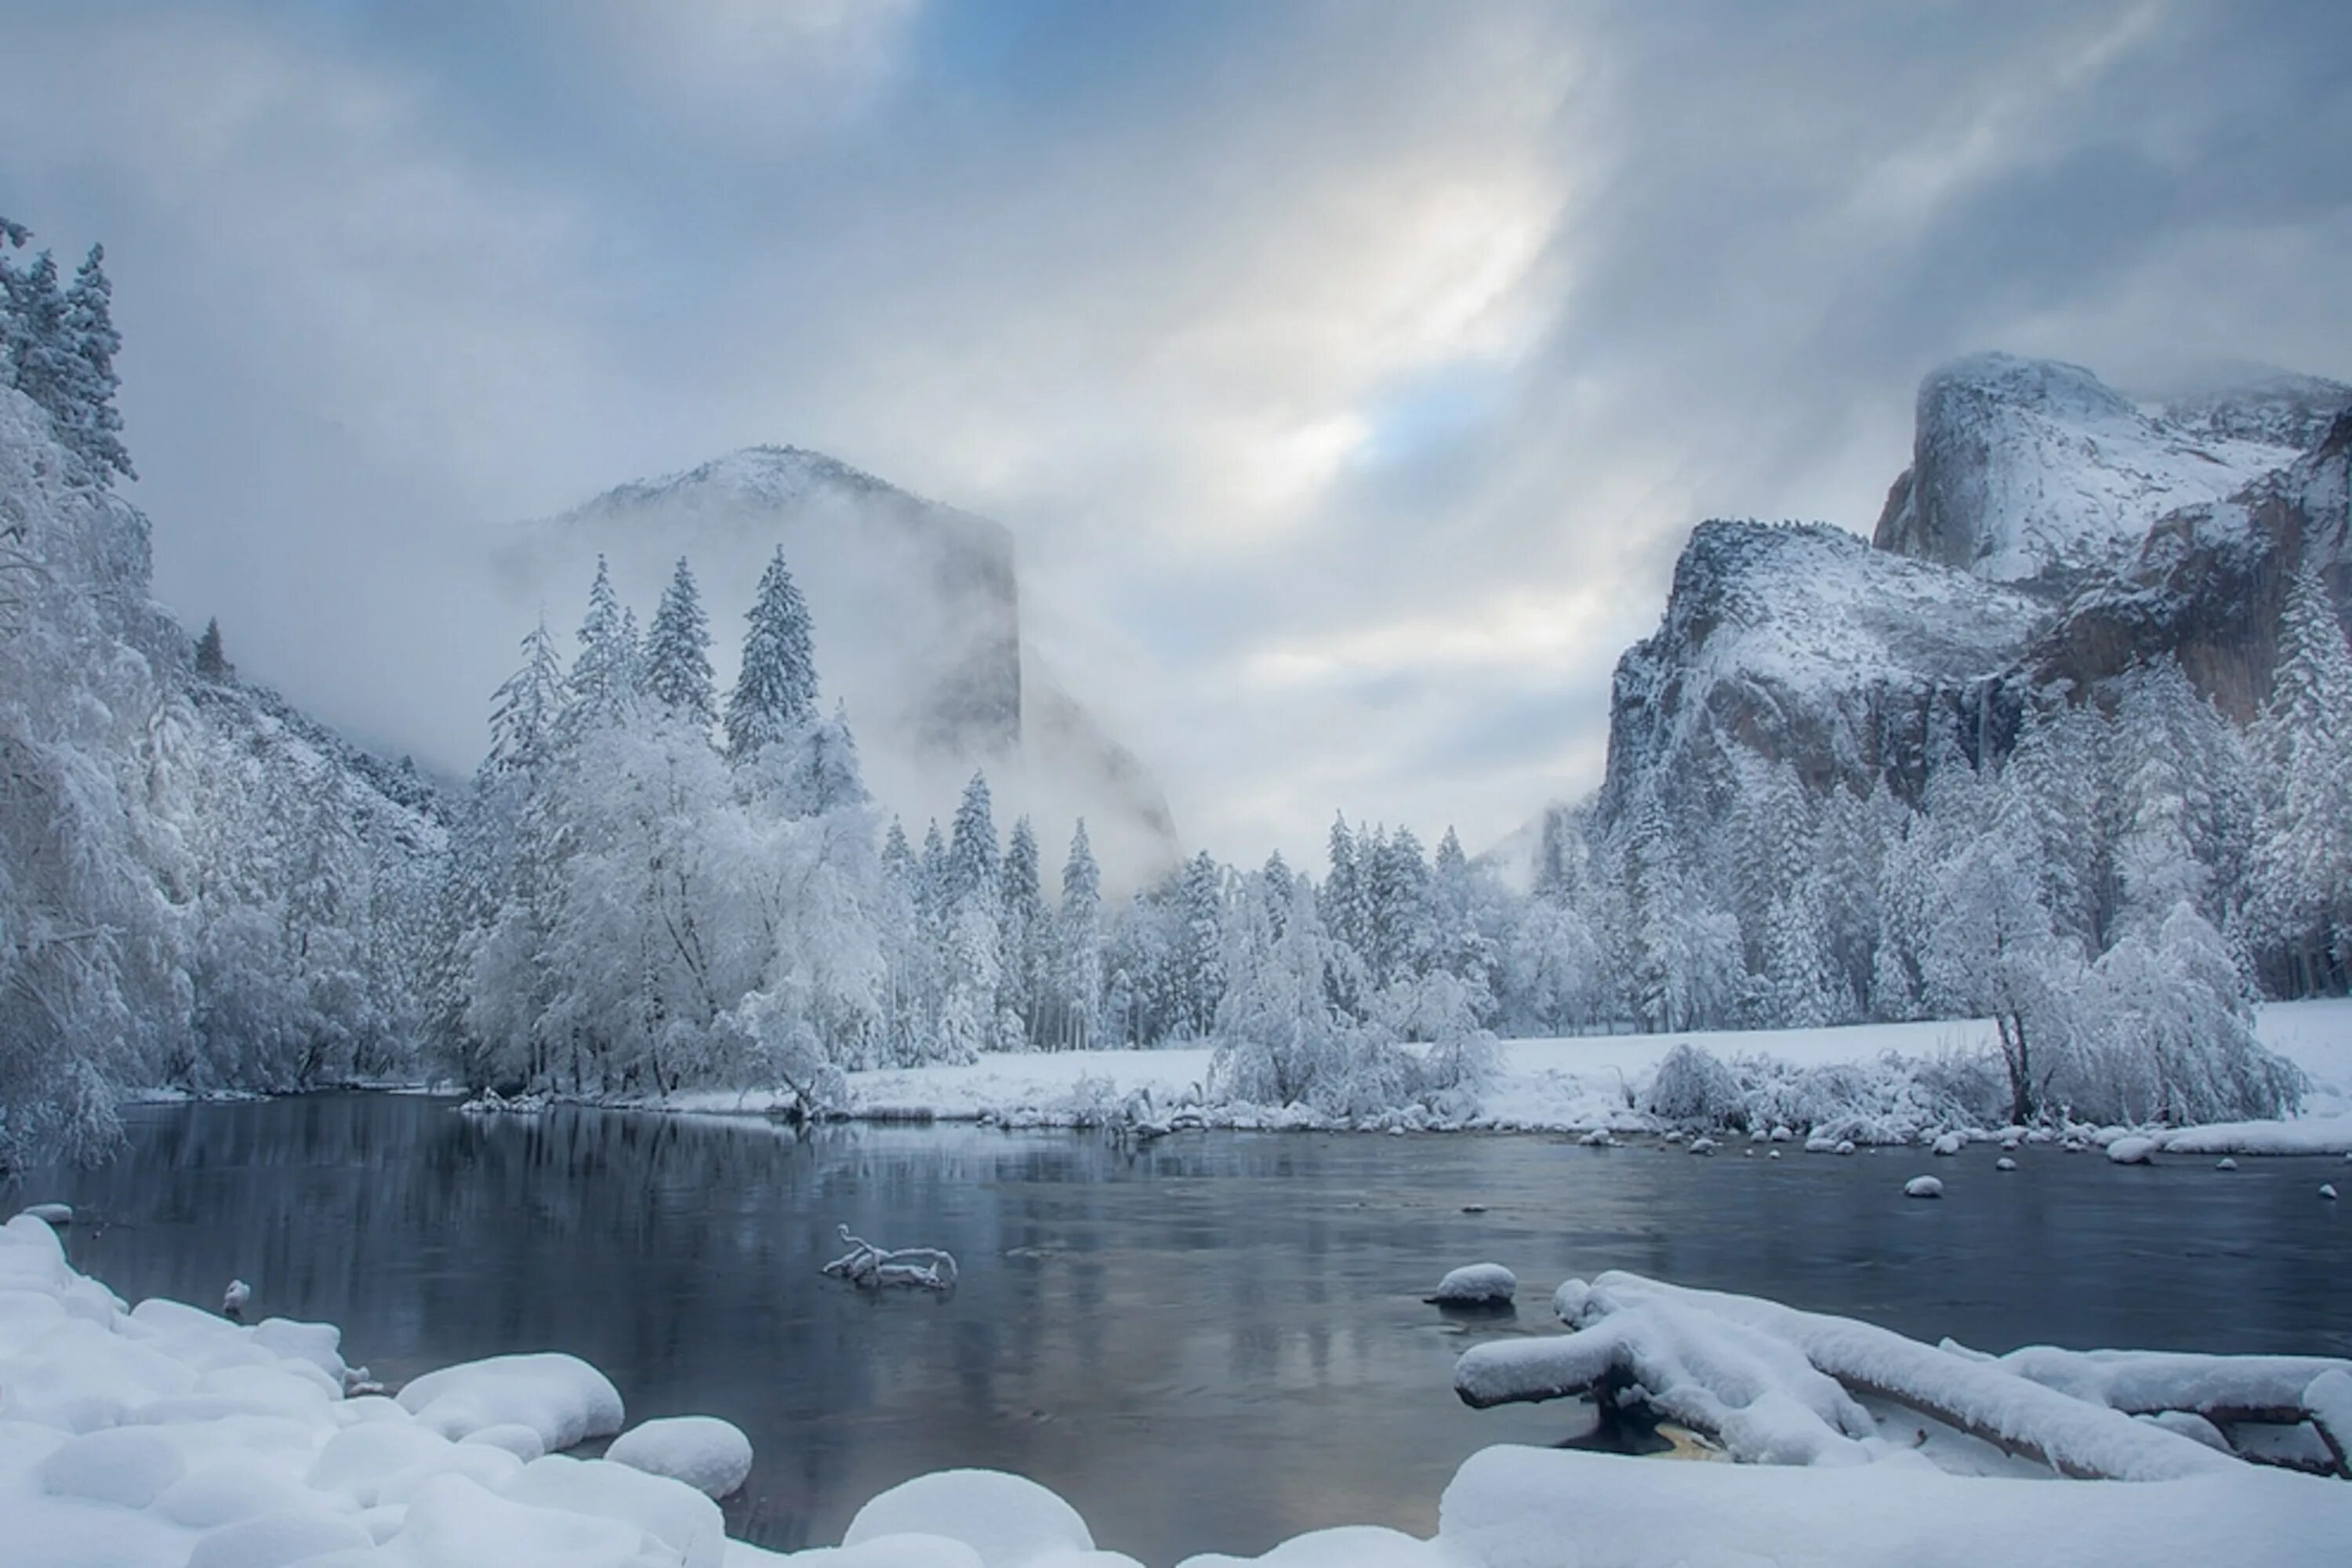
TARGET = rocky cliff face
x,y
2035,472
2048,531
918,620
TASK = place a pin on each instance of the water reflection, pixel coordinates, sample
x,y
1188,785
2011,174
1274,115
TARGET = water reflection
x,y
1209,1345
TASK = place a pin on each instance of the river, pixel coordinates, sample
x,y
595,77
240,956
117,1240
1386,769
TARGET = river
x,y
1208,1343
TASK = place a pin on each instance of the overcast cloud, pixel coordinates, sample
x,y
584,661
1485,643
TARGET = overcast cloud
x,y
1349,374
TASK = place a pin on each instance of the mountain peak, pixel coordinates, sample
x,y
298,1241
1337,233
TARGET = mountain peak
x,y
2036,471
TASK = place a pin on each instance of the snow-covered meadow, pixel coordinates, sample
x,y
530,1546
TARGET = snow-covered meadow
x,y
1868,1074
161,1435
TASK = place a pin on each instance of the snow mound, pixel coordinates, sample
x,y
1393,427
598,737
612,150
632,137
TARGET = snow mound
x,y
668,1510
1529,1507
2004,1163
1476,1285
710,1455
51,1213
2305,1135
559,1397
1922,1187
2134,1151
1009,1521
1351,1546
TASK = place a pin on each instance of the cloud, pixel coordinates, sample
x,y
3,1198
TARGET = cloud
x,y
1349,373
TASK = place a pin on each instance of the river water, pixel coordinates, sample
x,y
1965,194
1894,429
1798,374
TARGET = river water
x,y
1209,1343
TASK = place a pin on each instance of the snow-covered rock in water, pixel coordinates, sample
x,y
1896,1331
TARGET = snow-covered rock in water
x,y
1598,1138
2004,1163
1009,1521
559,1397
56,1215
710,1455
234,1299
1922,1187
2132,1151
1948,1144
1476,1285
2328,1191
2225,1163
1844,1146
1702,1145
1772,1154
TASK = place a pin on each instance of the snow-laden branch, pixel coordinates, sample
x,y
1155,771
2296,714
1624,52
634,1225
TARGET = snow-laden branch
x,y
1776,1384
871,1267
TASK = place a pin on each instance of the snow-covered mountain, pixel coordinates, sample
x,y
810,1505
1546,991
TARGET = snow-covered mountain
x,y
1804,645
916,612
2036,471
2048,531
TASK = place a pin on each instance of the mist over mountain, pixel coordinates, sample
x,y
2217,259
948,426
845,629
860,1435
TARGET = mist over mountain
x,y
916,609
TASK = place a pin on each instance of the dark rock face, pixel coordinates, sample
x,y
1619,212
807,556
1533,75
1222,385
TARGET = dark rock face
x,y
2207,585
2049,534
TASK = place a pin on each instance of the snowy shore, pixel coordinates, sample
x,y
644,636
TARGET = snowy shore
x,y
161,1435
1572,1085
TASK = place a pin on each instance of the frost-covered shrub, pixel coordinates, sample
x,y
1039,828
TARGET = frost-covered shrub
x,y
1891,1100
1692,1088
2170,1035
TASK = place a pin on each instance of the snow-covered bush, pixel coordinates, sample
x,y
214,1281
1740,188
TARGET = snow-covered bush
x,y
1692,1087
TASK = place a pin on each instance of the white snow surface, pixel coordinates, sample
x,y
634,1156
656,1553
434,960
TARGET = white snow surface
x,y
711,1455
166,1438
1546,1508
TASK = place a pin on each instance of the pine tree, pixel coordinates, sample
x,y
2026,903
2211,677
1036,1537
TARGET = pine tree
x,y
677,652
1078,959
1024,933
775,689
92,425
212,662
2302,862
526,706
603,679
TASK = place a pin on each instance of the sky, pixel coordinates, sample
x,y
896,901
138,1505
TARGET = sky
x,y
1349,373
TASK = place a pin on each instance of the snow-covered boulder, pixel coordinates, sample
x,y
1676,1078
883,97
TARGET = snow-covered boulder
x,y
559,1397
710,1455
2134,1150
1476,1285
1008,1521
2004,1163
1948,1144
1922,1187
54,1214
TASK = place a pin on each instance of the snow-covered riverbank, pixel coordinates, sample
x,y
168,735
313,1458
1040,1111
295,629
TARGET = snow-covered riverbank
x,y
1568,1085
161,1435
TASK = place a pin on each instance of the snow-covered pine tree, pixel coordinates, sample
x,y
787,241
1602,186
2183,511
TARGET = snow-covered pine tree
x,y
91,425
212,660
1025,935
603,684
1195,958
1078,949
677,652
2301,872
775,687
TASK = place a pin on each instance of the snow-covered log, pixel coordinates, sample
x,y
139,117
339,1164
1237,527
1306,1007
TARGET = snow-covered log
x,y
2015,1413
2143,1383
873,1268
1755,1392
1779,1384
